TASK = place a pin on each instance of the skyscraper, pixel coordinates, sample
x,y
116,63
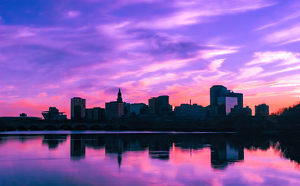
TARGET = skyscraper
x,y
77,108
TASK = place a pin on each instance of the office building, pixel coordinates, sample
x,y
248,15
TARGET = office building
x,y
222,100
262,110
77,108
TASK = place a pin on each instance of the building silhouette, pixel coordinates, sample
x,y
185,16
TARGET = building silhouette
x,y
191,111
54,115
115,109
96,114
222,100
138,108
152,106
237,111
159,105
262,110
77,108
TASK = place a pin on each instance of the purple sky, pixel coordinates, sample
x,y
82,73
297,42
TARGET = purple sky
x,y
53,50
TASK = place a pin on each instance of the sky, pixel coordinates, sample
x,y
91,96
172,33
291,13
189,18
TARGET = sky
x,y
51,51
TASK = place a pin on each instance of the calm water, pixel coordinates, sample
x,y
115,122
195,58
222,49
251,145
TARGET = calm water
x,y
86,158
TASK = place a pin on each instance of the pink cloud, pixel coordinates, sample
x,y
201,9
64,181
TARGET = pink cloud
x,y
216,64
249,72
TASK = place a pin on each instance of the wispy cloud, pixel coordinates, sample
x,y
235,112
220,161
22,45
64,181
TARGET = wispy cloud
x,y
249,72
194,12
284,36
281,57
216,64
280,21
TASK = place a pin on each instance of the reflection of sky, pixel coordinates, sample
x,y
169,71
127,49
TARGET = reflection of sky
x,y
52,51
230,103
30,162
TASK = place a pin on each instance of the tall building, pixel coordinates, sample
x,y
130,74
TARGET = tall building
x,y
77,108
163,106
115,109
152,106
222,100
159,105
262,110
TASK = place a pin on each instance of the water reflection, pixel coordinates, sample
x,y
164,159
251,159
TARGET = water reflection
x,y
53,140
77,146
225,148
170,157
224,152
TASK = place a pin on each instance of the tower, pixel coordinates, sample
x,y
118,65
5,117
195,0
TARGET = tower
x,y
119,100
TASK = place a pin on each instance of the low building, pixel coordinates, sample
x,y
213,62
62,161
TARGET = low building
x,y
237,111
96,114
138,108
191,111
54,115
262,110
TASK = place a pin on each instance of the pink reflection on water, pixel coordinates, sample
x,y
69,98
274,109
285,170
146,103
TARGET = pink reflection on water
x,y
184,166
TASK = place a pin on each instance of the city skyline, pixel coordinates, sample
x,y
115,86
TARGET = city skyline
x,y
51,52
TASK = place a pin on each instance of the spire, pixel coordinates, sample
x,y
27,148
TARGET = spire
x,y
119,100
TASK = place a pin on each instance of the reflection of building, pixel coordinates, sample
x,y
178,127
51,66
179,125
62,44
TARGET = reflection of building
x,y
77,108
96,114
77,146
159,150
115,109
53,140
54,115
262,110
222,100
115,146
193,111
223,153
